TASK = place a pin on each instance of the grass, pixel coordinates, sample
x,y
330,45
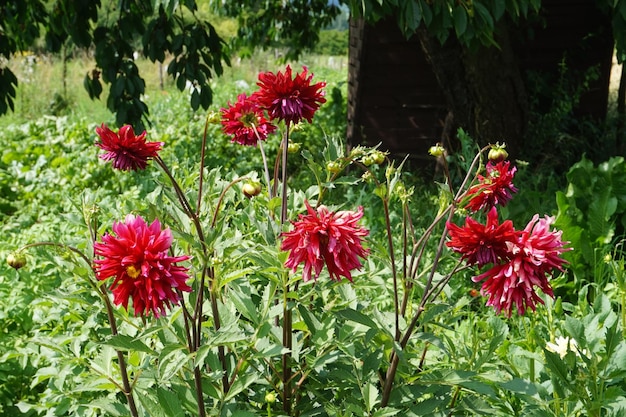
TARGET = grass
x,y
41,83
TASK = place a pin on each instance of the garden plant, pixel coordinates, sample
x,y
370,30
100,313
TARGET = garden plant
x,y
344,292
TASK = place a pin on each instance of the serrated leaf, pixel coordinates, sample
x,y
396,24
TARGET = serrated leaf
x,y
559,374
169,403
127,343
357,317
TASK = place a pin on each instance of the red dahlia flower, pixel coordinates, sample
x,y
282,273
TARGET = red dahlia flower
x,y
128,152
494,189
136,256
289,99
482,244
534,255
323,237
245,121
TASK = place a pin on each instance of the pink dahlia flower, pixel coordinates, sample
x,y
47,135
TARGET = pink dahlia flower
x,y
289,99
323,237
534,256
244,120
136,256
496,188
482,244
127,151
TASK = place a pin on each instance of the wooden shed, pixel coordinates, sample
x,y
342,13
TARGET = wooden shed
x,y
394,97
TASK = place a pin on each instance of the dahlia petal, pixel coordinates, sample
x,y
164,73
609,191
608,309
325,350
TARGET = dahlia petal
x,y
134,243
321,237
127,151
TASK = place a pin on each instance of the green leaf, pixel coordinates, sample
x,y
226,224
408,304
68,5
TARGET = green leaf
x,y
151,404
195,100
385,412
169,403
560,375
172,359
127,343
357,317
576,329
612,340
520,386
370,396
460,20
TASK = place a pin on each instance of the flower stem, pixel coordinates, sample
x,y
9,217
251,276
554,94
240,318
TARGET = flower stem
x,y
287,344
287,313
127,389
265,167
202,153
207,272
427,296
128,392
283,206
393,268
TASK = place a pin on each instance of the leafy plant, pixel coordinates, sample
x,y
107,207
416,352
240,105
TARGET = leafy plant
x,y
592,215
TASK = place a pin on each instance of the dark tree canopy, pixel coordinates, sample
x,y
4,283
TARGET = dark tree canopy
x,y
114,30
294,24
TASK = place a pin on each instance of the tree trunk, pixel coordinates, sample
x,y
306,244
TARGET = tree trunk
x,y
483,86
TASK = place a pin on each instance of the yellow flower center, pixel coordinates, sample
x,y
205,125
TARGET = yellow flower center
x,y
132,271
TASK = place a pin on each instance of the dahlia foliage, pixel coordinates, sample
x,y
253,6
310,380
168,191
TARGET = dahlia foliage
x,y
136,257
520,261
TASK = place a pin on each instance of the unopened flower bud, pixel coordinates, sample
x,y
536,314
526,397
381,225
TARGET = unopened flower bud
x,y
293,147
16,260
214,117
270,398
333,167
497,153
367,160
378,157
367,176
251,189
436,151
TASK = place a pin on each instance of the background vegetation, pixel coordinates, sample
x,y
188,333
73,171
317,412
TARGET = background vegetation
x,y
477,363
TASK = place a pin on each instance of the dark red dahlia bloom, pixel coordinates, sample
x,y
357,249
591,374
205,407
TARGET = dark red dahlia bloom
x,y
136,256
323,237
534,256
245,121
496,188
128,152
289,99
482,244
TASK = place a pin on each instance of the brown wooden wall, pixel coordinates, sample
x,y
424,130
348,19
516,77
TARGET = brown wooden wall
x,y
394,98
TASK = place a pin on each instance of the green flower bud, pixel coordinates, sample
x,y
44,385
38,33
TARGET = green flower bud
x,y
378,157
497,153
270,398
333,167
437,151
16,260
293,147
214,117
251,189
